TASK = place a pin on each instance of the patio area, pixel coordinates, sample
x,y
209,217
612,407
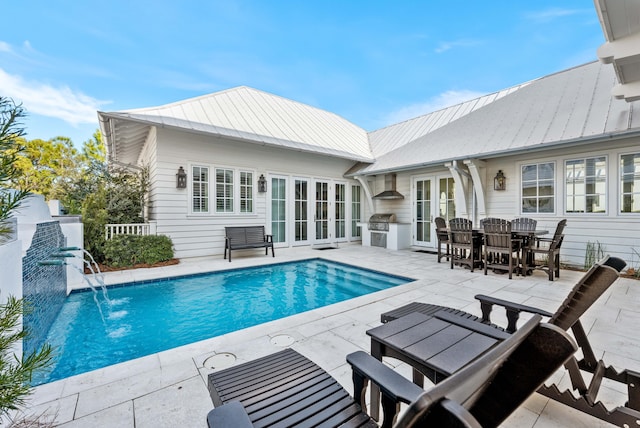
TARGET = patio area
x,y
168,389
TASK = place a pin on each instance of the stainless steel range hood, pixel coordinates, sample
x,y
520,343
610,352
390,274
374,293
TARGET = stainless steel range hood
x,y
390,191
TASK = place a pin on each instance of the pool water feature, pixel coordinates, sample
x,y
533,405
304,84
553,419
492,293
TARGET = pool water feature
x,y
152,316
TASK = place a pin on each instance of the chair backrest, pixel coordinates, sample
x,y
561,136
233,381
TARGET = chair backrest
x,y
487,220
556,241
485,392
461,231
497,234
524,224
441,229
590,287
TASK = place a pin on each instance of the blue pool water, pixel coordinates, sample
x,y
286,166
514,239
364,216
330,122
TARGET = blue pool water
x,y
152,316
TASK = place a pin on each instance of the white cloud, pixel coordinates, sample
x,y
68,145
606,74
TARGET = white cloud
x,y
438,102
465,43
549,15
5,47
59,102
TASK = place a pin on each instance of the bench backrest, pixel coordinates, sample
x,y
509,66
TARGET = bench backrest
x,y
245,234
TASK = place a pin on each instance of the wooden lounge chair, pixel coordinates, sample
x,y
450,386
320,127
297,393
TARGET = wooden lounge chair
x,y
286,389
592,285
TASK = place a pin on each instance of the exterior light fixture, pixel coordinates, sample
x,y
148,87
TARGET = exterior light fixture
x,y
500,181
262,184
181,179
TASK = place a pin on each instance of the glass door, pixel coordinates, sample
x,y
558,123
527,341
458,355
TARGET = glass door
x,y
423,209
321,216
279,209
301,204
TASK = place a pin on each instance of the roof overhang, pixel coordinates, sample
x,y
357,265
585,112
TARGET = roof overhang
x,y
620,21
126,133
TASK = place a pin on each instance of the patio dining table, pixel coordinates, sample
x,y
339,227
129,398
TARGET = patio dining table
x,y
527,237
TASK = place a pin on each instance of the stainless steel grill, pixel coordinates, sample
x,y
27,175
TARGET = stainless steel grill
x,y
380,222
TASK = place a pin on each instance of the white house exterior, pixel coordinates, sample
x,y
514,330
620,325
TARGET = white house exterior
x,y
568,144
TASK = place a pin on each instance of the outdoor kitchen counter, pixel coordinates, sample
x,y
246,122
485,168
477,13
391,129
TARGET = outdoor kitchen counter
x,y
397,238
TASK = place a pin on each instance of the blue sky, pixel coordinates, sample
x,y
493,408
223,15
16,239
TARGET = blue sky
x,y
372,62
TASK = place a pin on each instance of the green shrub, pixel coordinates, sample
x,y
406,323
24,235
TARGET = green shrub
x,y
128,250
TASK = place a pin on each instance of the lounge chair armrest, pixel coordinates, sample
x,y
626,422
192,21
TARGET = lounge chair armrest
x,y
513,310
392,384
231,414
268,238
511,305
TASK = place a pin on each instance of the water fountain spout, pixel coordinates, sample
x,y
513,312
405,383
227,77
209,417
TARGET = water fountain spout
x,y
63,255
51,263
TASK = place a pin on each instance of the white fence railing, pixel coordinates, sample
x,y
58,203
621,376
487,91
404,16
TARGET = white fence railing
x,y
111,230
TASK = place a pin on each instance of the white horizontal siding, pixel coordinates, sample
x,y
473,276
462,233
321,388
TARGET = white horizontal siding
x,y
203,235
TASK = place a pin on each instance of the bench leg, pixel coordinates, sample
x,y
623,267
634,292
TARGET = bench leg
x,y
273,254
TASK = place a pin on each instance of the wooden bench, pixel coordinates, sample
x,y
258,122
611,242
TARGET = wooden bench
x,y
244,237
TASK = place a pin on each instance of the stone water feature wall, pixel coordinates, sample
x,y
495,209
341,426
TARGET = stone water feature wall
x,y
44,287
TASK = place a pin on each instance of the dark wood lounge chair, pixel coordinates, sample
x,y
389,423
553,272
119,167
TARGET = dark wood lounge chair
x,y
592,285
286,389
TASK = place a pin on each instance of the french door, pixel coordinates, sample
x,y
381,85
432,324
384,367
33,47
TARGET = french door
x,y
424,205
323,225
309,212
432,197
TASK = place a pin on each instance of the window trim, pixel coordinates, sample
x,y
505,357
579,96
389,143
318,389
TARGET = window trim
x,y
619,185
191,190
212,194
606,186
555,187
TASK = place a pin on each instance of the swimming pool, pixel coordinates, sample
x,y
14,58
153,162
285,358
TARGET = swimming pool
x,y
152,316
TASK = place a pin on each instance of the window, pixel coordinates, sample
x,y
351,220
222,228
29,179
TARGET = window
x,y
341,211
538,188
447,198
586,185
630,183
246,192
200,186
356,211
224,190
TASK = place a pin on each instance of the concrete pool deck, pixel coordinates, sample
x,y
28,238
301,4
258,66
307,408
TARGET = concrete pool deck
x,y
168,389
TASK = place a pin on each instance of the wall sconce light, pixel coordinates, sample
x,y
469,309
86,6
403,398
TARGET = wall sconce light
x,y
500,181
181,179
262,184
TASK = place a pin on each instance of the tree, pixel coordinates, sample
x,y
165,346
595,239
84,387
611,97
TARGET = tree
x,y
56,169
15,372
10,149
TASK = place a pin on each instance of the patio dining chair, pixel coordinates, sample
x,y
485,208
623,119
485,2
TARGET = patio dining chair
x,y
443,238
500,247
548,250
590,287
524,224
465,244
286,389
